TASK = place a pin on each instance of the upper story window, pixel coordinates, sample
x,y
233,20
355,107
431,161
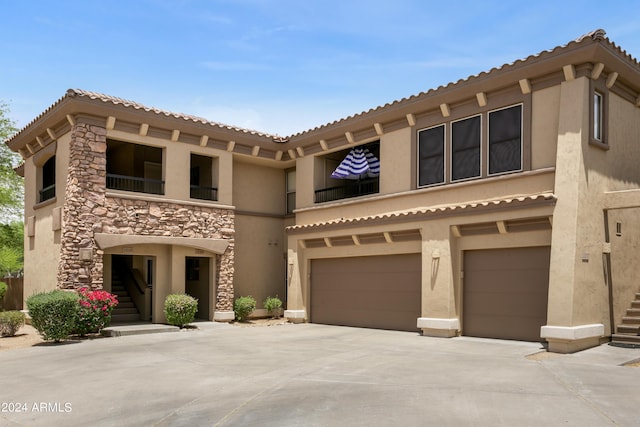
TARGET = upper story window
x,y
465,148
134,167
505,140
291,190
431,156
48,180
202,178
598,113
348,173
468,149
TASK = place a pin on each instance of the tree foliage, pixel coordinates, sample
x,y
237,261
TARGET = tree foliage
x,y
11,184
11,248
11,202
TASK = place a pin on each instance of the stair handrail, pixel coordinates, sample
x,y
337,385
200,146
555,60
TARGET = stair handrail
x,y
137,288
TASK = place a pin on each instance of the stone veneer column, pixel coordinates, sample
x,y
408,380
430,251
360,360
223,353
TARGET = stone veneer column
x,y
81,261
224,275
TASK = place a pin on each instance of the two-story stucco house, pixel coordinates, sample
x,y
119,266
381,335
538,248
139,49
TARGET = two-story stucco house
x,y
505,205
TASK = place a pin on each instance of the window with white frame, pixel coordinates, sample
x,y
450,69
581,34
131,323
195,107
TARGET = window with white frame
x,y
598,114
505,140
431,156
465,148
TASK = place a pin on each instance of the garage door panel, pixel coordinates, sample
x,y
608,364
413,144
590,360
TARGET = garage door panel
x,y
505,292
382,292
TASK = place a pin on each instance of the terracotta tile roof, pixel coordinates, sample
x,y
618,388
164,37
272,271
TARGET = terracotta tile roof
x,y
79,93
413,214
188,117
593,36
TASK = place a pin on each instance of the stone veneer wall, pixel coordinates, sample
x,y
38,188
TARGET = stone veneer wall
x,y
83,202
87,210
151,218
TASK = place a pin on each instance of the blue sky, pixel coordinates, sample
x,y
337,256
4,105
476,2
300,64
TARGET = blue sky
x,y
277,66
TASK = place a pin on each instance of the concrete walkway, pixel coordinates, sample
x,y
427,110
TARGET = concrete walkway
x,y
314,375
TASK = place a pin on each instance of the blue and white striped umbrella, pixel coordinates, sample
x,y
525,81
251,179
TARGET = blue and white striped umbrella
x,y
359,163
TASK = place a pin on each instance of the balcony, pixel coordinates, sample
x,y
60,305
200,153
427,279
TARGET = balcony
x,y
203,193
353,188
135,184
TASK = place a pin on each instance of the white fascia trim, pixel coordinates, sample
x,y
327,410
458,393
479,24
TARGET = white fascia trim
x,y
438,323
572,333
295,314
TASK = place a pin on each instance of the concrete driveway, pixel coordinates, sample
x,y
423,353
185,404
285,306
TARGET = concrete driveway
x,y
314,375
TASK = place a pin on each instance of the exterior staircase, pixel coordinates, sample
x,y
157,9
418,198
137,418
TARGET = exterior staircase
x,y
126,310
628,333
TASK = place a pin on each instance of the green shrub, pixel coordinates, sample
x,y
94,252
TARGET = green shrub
x,y
3,292
53,313
273,306
180,309
10,322
243,307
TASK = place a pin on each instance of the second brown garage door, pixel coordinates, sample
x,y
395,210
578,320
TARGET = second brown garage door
x,y
506,292
382,292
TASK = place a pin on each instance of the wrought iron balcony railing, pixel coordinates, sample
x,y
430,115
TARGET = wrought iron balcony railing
x,y
133,183
204,193
351,188
48,192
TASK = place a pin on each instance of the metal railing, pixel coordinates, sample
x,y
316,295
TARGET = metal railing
x,y
133,183
204,193
350,189
48,192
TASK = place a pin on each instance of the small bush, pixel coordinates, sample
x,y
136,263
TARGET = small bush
x,y
180,309
53,313
243,307
10,322
94,311
273,306
3,292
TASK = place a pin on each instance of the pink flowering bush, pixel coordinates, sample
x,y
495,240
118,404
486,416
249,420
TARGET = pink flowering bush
x,y
95,310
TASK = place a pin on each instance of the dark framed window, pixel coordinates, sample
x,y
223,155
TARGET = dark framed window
x,y
290,190
201,178
505,140
465,148
431,155
48,189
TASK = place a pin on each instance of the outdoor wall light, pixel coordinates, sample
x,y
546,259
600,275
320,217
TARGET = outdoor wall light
x,y
85,254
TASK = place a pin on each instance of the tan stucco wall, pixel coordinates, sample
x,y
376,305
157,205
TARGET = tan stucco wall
x,y
42,251
395,161
625,259
544,127
258,188
259,198
259,257
578,293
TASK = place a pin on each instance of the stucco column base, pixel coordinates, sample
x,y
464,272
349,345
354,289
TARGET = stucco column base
x,y
436,327
295,316
569,339
224,316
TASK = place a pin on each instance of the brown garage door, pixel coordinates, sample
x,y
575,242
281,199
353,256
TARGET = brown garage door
x,y
505,293
381,292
